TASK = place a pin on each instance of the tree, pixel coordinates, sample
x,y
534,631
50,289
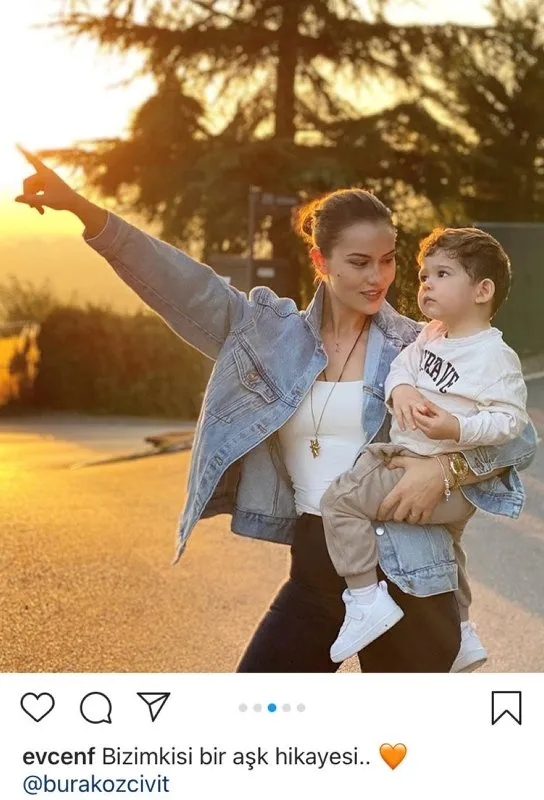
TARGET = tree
x,y
490,92
256,91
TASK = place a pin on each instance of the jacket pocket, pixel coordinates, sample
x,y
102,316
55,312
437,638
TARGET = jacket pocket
x,y
237,387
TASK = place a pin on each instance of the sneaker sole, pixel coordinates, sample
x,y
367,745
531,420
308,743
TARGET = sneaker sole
x,y
470,666
378,630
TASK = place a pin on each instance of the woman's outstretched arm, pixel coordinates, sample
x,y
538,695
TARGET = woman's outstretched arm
x,y
193,300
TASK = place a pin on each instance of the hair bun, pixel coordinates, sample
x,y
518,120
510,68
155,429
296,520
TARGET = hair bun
x,y
304,220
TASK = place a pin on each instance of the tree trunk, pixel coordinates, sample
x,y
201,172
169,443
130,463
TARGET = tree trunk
x,y
286,72
279,233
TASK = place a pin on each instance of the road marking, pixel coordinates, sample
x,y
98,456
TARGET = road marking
x,y
533,376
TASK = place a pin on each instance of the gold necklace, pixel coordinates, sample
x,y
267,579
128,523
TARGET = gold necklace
x,y
315,446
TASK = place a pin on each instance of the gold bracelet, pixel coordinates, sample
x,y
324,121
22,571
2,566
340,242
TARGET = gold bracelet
x,y
447,489
455,482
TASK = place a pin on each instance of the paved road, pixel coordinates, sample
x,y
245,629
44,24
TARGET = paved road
x,y
87,583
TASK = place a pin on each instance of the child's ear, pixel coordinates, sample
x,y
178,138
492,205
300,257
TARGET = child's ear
x,y
485,291
319,262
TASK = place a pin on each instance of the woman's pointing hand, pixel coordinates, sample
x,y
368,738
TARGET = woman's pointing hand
x,y
45,187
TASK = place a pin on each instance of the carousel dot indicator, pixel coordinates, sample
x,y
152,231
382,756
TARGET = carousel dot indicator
x,y
301,707
286,707
272,707
242,707
257,707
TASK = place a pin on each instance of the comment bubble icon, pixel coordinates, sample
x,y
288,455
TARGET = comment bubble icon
x,y
96,708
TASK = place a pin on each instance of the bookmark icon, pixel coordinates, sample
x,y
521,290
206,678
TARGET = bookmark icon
x,y
504,705
154,701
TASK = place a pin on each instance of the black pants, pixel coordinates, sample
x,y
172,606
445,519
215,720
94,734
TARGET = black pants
x,y
297,631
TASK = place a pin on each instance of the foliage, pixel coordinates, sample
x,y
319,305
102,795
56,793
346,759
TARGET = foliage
x,y
257,93
491,94
251,93
96,360
90,358
23,301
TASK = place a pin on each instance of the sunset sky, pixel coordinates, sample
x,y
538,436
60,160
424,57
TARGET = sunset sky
x,y
52,93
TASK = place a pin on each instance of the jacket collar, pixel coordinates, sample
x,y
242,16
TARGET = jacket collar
x,y
389,321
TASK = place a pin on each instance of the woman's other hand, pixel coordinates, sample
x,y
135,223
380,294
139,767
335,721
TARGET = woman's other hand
x,y
406,400
45,188
418,492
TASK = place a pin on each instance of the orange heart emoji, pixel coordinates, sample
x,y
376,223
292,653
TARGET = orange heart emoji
x,y
393,755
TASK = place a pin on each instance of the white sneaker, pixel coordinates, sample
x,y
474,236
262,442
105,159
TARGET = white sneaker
x,y
364,623
472,654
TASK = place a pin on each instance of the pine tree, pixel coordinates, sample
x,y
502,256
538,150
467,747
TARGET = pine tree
x,y
255,93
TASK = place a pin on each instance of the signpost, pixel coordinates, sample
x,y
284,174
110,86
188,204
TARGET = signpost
x,y
279,200
246,272
266,271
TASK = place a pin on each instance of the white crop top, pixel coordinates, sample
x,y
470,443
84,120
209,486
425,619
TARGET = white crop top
x,y
341,436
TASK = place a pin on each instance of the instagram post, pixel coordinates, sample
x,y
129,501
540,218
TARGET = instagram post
x,y
271,395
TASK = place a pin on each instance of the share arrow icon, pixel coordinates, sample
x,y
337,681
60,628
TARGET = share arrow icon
x,y
154,701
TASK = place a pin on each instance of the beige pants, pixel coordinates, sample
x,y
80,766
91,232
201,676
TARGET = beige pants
x,y
351,503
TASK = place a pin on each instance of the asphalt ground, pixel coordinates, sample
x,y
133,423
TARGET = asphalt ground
x,y
87,544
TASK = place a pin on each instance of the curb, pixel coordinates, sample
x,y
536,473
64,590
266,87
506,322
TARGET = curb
x,y
163,445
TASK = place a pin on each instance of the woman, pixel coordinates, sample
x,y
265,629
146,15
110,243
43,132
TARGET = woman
x,y
266,442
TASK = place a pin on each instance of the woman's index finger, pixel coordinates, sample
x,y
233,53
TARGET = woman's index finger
x,y
38,165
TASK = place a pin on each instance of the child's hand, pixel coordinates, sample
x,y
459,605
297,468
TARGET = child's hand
x,y
437,423
405,400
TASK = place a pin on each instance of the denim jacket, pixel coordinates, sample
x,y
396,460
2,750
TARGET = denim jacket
x,y
267,355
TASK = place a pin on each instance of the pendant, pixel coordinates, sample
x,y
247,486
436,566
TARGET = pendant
x,y
315,447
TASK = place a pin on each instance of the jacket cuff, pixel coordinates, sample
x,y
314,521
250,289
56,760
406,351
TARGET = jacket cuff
x,y
478,460
105,241
465,434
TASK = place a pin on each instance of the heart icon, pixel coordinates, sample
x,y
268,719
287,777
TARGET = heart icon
x,y
37,706
393,755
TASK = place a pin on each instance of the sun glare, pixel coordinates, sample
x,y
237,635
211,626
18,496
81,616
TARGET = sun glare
x,y
54,92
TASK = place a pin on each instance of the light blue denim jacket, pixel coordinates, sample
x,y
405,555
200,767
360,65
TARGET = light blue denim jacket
x,y
267,355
